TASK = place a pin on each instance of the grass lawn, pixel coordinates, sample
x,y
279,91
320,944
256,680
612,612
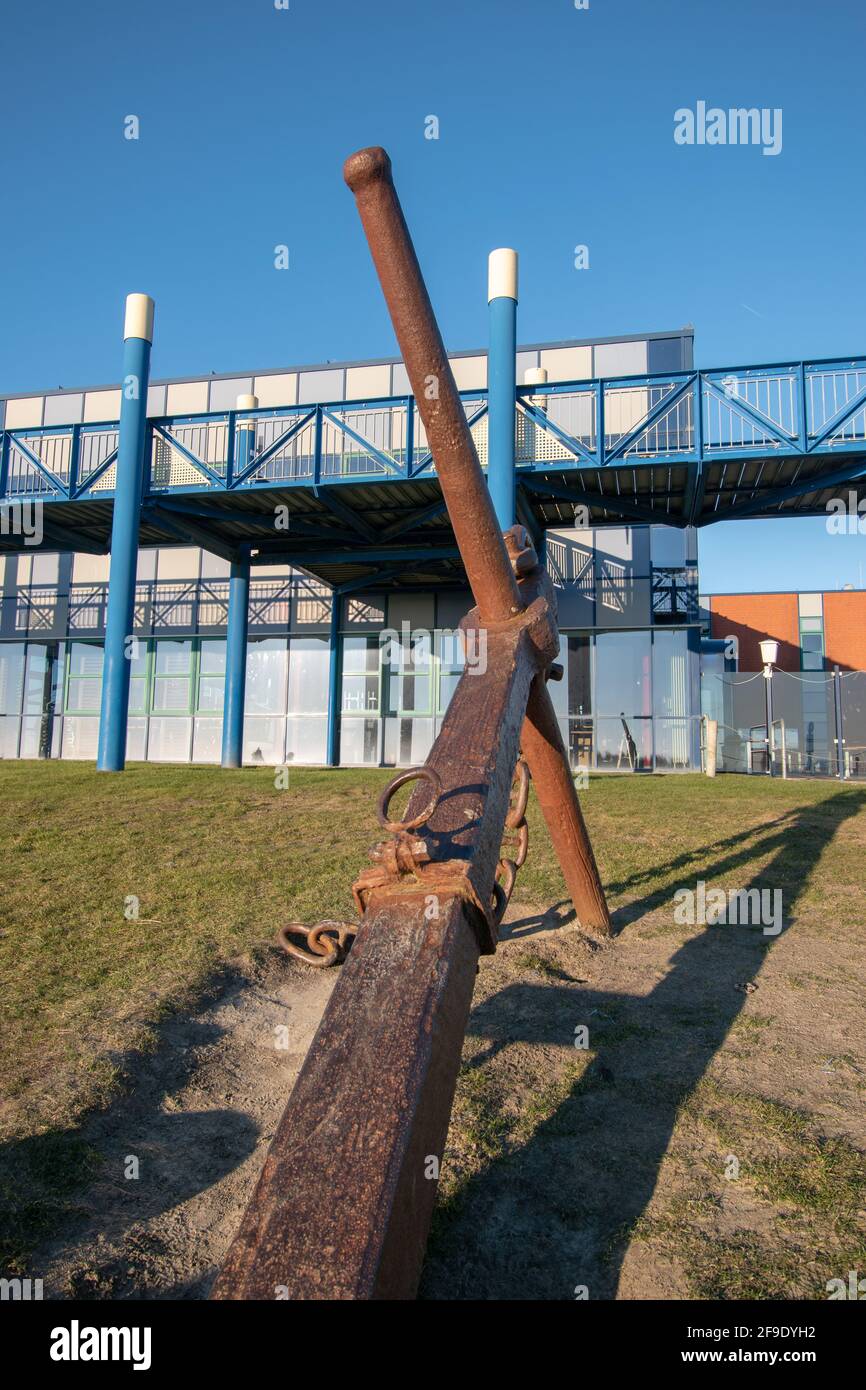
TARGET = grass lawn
x,y
710,1041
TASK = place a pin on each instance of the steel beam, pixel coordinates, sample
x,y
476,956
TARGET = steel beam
x,y
618,505
180,525
379,556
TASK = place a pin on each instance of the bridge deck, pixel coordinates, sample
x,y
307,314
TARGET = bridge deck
x,y
348,489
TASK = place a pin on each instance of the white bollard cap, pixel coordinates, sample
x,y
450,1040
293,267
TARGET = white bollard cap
x,y
535,376
138,322
502,274
247,403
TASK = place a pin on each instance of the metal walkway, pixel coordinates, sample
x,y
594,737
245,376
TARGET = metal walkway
x,y
348,490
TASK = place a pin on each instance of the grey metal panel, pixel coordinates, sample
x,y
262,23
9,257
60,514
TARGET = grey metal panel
x,y
325,385
63,410
224,392
529,348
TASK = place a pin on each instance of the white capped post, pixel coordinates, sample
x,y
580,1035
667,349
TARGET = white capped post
x,y
502,274
138,320
502,383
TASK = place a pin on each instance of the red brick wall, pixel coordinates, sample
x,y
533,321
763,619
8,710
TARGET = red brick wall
x,y
845,630
751,618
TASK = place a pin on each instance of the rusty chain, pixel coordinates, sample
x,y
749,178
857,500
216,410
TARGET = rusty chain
x,y
328,943
515,821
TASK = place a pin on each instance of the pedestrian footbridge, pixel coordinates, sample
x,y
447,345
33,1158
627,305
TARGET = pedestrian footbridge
x,y
348,490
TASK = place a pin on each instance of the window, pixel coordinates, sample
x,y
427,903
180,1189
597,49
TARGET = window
x,y
309,669
811,651
172,676
409,667
84,678
212,675
625,744
267,674
452,659
40,688
623,673
138,677
670,674
11,676
578,677
360,675
572,696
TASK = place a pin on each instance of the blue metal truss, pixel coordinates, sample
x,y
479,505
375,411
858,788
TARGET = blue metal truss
x,y
577,442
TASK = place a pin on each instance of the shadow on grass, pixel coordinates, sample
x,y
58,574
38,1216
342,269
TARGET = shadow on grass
x,y
558,1209
72,1181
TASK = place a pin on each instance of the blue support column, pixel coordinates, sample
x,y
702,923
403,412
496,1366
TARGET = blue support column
x,y
236,661
502,383
119,647
239,608
334,682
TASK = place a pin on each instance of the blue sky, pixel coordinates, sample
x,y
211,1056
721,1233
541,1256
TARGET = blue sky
x,y
555,129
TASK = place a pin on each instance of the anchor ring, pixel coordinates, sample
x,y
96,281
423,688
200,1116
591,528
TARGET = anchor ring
x,y
424,774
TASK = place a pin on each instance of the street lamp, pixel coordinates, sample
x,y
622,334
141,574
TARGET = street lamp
x,y
769,656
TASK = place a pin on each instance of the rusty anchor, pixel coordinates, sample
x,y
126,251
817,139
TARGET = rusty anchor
x,y
372,1101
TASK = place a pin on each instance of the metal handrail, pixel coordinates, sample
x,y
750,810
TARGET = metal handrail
x,y
790,409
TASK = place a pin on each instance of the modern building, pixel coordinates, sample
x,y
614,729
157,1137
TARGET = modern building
x,y
817,687
627,598
815,632
281,542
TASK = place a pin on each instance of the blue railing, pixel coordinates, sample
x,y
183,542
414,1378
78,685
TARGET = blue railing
x,y
785,410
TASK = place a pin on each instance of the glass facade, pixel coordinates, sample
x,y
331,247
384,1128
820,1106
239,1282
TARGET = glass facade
x,y
628,701
625,701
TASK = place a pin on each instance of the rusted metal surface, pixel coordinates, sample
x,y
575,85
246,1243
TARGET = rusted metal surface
x,y
368,174
544,751
343,1204
491,568
557,796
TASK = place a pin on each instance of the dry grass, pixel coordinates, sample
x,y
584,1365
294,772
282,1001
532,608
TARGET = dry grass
x,y
217,861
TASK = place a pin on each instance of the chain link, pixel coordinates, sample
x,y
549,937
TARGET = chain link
x,y
327,943
515,842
